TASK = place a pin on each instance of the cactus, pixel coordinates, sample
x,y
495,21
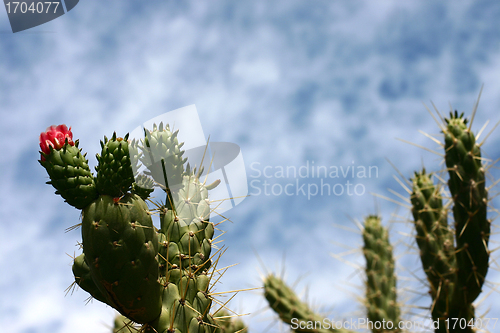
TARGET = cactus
x,y
381,300
470,198
437,252
292,310
454,256
159,279
156,278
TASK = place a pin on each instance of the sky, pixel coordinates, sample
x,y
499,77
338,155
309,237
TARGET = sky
x,y
294,84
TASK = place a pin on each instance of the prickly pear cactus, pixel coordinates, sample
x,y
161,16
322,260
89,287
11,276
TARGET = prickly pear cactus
x,y
157,278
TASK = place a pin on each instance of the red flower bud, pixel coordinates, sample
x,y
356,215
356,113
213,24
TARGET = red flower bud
x,y
55,137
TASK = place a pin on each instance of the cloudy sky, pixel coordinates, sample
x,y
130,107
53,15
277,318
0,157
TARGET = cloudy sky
x,y
294,83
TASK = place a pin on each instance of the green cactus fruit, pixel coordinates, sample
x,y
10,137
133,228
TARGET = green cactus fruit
x,y
162,156
470,198
143,186
67,167
292,311
83,278
120,246
229,323
115,169
381,297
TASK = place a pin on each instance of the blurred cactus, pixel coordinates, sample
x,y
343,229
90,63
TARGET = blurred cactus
x,y
381,299
454,256
229,323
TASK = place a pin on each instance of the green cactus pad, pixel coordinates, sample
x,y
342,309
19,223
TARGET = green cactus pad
x,y
70,175
162,156
381,298
115,172
470,197
120,244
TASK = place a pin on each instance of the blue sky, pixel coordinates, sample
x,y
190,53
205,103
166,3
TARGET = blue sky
x,y
291,82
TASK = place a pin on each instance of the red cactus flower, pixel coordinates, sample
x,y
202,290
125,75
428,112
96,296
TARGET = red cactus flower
x,y
55,137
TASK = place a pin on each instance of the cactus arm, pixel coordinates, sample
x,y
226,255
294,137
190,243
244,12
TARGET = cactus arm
x,y
185,245
292,311
70,175
121,246
470,198
381,299
437,252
